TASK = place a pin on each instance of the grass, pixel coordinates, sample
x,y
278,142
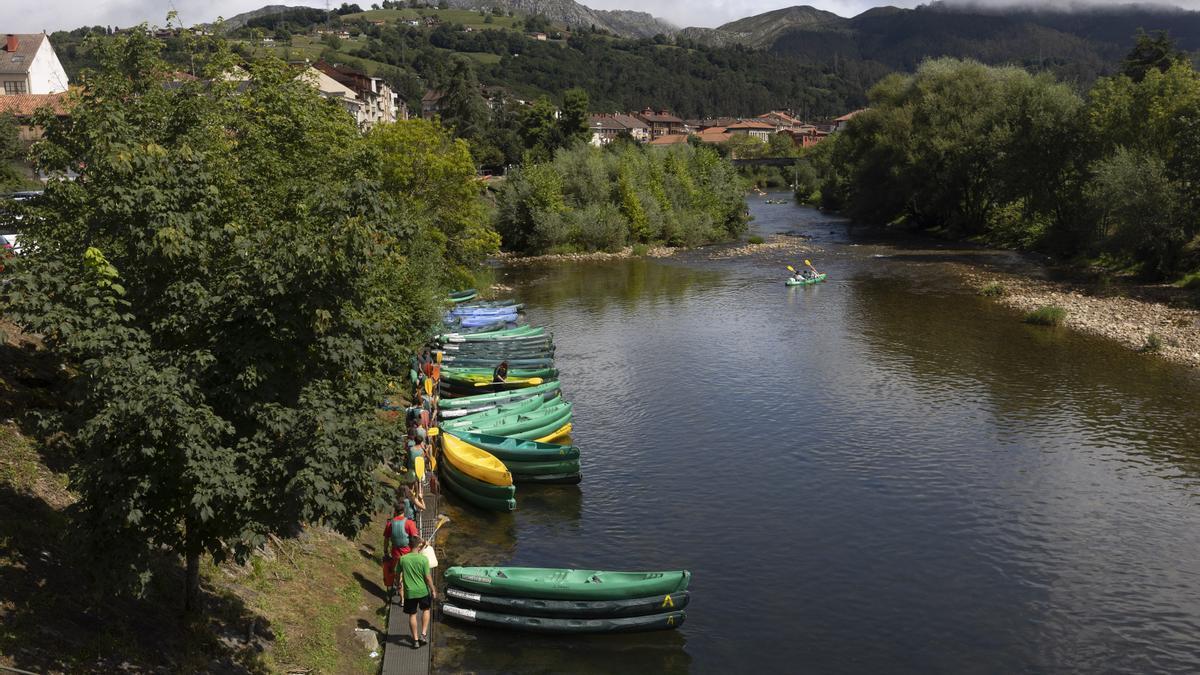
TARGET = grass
x,y
755,239
294,605
486,58
465,17
1154,343
1189,281
1050,315
992,290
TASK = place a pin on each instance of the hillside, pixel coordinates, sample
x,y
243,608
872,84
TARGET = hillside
x,y
1075,44
574,15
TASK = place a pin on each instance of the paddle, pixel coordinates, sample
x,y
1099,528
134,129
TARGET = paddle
x,y
428,551
811,267
532,381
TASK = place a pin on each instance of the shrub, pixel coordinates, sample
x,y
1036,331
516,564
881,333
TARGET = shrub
x,y
755,239
1050,315
992,290
1153,343
641,249
1189,281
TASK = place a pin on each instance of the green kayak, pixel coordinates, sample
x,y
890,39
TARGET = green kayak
x,y
480,418
499,397
570,609
473,374
550,479
551,468
536,624
793,281
458,413
489,335
508,425
529,427
477,486
462,296
450,477
562,584
508,449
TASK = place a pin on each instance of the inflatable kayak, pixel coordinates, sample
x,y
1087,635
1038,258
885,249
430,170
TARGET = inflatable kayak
x,y
498,397
508,449
569,609
792,281
547,583
476,492
632,624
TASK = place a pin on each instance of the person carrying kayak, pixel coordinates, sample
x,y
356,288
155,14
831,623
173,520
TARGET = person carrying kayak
x,y
500,374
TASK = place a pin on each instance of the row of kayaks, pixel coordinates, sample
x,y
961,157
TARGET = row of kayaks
x,y
550,600
496,435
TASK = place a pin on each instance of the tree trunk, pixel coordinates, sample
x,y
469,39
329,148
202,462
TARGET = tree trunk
x,y
191,603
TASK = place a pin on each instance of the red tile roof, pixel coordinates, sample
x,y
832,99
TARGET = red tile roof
x,y
848,115
660,116
670,139
24,105
751,124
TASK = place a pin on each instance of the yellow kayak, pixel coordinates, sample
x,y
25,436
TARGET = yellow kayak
x,y
564,430
475,462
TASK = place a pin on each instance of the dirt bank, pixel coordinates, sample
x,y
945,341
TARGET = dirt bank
x,y
1126,320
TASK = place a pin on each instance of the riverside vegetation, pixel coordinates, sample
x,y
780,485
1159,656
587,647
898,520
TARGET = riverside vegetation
x,y
1022,160
227,286
592,199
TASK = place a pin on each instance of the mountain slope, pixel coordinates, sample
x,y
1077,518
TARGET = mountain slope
x,y
574,15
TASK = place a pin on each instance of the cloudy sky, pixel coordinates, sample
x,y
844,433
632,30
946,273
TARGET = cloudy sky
x,y
52,15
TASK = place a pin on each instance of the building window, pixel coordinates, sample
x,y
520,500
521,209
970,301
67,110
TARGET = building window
x,y
11,88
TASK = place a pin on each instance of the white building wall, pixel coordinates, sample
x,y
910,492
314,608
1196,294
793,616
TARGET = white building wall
x,y
46,74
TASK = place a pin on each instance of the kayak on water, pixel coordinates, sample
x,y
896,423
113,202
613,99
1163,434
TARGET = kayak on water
x,y
459,483
505,448
632,624
481,417
480,374
498,397
552,468
553,416
493,361
552,437
566,584
550,479
569,609
484,406
792,281
462,296
477,464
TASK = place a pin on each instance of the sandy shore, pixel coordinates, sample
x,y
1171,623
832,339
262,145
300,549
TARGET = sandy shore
x,y
1126,320
774,243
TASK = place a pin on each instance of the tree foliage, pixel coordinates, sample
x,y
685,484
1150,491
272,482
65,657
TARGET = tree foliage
x,y
231,280
588,198
1023,160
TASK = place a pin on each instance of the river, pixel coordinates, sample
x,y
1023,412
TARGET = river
x,y
881,473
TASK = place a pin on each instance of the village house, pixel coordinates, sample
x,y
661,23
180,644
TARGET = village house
x,y
379,102
670,139
662,123
604,128
781,120
28,65
714,135
32,78
841,122
753,128
431,104
636,128
333,90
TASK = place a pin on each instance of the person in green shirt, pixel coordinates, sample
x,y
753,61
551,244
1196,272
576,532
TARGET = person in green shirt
x,y
417,590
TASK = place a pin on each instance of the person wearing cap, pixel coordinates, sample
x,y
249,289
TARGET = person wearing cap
x,y
417,590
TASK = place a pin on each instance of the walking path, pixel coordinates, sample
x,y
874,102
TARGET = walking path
x,y
399,658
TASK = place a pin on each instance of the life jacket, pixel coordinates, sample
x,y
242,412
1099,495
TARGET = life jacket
x,y
399,536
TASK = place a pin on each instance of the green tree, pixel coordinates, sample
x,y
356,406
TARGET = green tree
x,y
462,106
1151,52
539,130
433,178
10,152
573,122
231,284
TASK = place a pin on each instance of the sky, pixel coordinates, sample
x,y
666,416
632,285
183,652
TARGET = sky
x,y
52,15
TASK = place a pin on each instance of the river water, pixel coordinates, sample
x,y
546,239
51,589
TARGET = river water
x,y
881,473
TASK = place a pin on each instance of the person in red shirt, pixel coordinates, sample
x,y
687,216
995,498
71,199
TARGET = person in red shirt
x,y
396,544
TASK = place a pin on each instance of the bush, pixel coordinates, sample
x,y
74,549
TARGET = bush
x,y
1153,343
992,290
755,239
641,249
1050,315
1189,281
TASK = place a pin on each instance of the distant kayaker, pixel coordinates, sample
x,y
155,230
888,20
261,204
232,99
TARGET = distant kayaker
x,y
501,372
417,590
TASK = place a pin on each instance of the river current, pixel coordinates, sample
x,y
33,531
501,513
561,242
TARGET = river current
x,y
880,473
